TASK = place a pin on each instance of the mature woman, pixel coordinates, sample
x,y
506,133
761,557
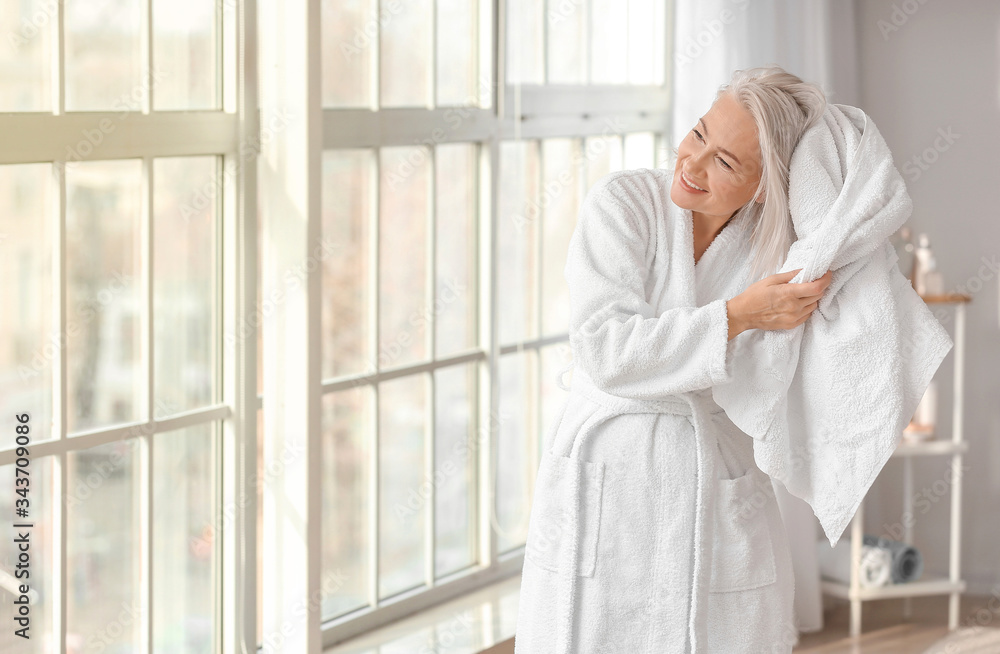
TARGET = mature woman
x,y
666,267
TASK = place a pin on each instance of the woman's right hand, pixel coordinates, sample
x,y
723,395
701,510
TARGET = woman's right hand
x,y
774,303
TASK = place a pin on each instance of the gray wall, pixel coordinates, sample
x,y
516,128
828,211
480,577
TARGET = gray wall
x,y
921,74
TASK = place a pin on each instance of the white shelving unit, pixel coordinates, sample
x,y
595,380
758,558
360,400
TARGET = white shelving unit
x,y
956,447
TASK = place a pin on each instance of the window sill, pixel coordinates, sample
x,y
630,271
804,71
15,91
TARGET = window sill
x,y
480,622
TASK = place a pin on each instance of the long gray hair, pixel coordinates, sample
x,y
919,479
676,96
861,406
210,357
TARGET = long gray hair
x,y
783,107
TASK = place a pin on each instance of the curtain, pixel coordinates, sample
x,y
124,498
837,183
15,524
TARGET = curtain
x,y
814,39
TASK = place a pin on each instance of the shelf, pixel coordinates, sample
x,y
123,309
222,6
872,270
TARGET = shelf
x,y
928,585
930,448
946,298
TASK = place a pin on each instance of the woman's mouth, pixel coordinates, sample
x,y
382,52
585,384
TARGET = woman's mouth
x,y
690,186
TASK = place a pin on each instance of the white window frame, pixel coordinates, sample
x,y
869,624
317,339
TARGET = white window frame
x,y
42,137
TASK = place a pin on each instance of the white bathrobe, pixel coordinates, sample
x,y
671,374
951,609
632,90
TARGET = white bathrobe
x,y
652,529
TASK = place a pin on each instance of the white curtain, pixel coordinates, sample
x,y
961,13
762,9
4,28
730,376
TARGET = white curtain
x,y
814,39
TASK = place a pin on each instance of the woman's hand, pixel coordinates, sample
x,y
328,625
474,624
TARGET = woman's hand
x,y
773,303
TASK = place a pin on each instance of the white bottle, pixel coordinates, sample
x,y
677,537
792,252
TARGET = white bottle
x,y
923,262
933,282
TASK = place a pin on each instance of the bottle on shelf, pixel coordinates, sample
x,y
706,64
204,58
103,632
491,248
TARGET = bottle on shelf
x,y
926,277
902,240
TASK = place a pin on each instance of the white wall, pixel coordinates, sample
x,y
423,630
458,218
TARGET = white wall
x,y
938,68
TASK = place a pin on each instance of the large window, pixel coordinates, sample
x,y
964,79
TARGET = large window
x,y
116,228
203,453
450,200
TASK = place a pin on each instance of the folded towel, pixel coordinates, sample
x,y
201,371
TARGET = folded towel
x,y
874,570
907,562
827,401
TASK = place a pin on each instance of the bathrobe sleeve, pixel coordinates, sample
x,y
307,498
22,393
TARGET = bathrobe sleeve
x,y
615,335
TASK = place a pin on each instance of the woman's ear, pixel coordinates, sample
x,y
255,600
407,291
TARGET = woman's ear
x,y
760,198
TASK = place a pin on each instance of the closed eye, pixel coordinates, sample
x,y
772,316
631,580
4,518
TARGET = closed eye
x,y
721,160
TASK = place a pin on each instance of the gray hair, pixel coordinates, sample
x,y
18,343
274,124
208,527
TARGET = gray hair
x,y
783,107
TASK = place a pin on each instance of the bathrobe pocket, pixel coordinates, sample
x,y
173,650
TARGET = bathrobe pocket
x,y
550,540
742,551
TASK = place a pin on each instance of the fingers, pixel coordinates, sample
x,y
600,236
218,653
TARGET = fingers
x,y
779,278
813,288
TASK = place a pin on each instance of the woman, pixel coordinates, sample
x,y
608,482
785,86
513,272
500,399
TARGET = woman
x,y
620,556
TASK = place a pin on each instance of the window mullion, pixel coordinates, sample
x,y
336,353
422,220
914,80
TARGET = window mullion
x,y
146,46
146,507
61,485
429,443
58,64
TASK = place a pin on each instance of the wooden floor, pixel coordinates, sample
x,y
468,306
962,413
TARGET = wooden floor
x,y
884,630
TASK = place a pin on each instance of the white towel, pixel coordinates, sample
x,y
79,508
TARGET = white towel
x,y
827,401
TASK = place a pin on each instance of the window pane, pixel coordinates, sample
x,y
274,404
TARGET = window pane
x,y
609,42
604,155
42,600
184,283
29,341
642,50
457,52
454,306
102,560
639,150
259,490
563,186
402,484
185,54
403,207
103,56
185,526
349,31
406,48
554,358
454,467
25,73
566,57
525,19
518,215
348,199
346,456
517,420
103,299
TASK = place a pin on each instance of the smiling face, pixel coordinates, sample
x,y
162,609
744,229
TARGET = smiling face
x,y
720,156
